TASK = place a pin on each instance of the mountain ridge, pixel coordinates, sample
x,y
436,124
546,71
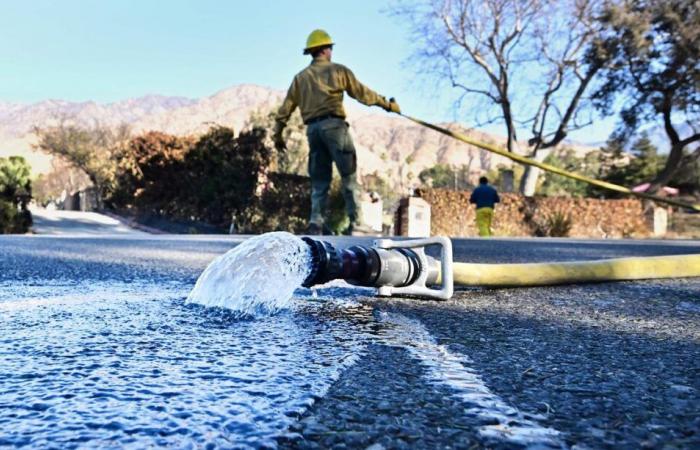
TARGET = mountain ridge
x,y
386,144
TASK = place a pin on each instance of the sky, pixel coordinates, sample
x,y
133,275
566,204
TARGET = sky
x,y
110,50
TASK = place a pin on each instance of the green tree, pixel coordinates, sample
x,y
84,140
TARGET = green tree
x,y
374,182
688,179
15,180
644,165
438,176
445,176
655,73
95,150
559,186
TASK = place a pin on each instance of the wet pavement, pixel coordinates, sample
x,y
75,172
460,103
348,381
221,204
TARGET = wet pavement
x,y
100,350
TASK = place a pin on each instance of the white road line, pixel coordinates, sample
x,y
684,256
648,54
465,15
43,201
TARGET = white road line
x,y
452,370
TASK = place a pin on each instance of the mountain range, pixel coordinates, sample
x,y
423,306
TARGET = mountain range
x,y
390,145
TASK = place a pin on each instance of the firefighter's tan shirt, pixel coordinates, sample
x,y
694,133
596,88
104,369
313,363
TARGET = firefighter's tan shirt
x,y
318,91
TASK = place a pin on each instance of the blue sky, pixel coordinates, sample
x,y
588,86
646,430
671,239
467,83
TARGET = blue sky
x,y
111,50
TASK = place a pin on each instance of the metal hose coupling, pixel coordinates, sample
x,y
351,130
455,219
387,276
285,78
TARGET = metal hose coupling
x,y
393,267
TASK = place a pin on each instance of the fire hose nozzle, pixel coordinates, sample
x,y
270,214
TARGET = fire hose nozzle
x,y
393,267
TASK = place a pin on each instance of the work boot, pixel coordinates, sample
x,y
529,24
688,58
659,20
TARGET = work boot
x,y
358,229
315,229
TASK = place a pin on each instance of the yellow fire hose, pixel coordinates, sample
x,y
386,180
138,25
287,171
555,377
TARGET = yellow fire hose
x,y
550,168
541,274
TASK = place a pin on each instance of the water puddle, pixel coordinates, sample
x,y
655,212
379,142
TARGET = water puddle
x,y
135,367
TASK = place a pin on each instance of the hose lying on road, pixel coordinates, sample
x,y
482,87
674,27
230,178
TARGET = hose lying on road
x,y
401,267
542,274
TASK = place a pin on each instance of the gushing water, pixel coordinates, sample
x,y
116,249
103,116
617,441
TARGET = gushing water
x,y
258,277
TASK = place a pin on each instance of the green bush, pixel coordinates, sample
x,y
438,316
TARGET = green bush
x,y
12,219
554,185
559,224
336,219
555,224
15,194
219,180
222,174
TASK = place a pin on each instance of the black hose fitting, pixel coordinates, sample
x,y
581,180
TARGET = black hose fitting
x,y
363,266
325,263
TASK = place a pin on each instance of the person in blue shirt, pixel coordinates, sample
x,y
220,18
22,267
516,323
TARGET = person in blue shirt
x,y
485,197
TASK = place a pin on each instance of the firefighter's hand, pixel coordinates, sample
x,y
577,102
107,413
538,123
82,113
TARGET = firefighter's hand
x,y
280,145
393,106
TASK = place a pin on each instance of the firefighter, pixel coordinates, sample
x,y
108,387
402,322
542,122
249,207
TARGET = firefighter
x,y
318,92
485,197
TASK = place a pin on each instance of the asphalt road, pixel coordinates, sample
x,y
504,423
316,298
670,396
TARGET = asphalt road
x,y
610,365
58,222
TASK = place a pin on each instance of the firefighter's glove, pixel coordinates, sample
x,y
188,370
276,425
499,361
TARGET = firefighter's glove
x,y
393,106
280,145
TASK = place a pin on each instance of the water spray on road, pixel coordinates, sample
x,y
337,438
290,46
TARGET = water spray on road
x,y
257,277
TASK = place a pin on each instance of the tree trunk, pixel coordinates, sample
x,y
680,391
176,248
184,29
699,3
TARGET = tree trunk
x,y
673,163
99,191
528,183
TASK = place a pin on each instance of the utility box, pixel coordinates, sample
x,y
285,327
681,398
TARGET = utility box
x,y
658,221
413,218
372,213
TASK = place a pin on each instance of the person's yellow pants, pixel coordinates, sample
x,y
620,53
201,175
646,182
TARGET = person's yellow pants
x,y
484,216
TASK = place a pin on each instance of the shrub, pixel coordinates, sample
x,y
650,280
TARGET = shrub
x,y
149,177
222,174
555,224
209,179
15,194
284,205
13,219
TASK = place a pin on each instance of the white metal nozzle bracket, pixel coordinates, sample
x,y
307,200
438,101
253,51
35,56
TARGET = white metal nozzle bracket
x,y
419,286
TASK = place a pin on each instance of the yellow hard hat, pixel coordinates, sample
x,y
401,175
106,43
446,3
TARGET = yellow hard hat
x,y
317,38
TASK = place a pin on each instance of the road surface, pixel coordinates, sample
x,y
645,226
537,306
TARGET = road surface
x,y
57,222
613,365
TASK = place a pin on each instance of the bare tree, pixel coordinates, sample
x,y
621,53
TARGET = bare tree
x,y
94,150
62,177
519,63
